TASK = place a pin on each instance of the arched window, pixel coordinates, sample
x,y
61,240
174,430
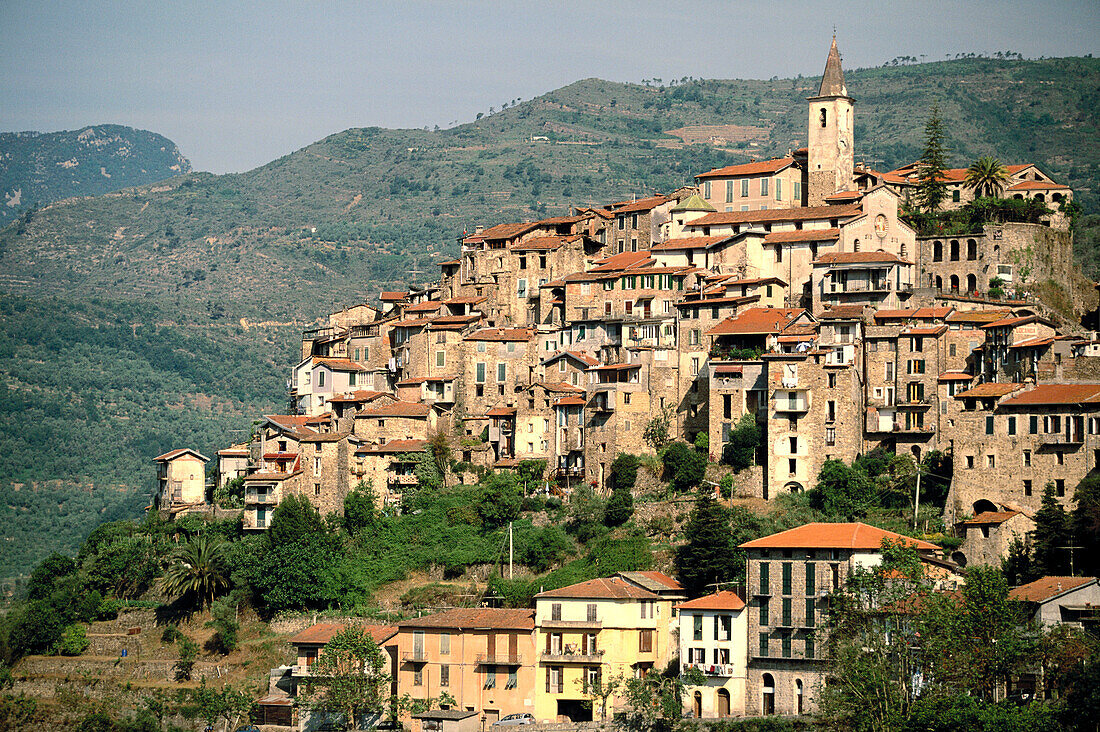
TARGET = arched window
x,y
697,704
971,249
723,703
793,487
937,251
1019,196
1056,198
954,283
954,250
824,115
798,694
1040,197
982,505
768,706
939,282
855,245
916,453
971,283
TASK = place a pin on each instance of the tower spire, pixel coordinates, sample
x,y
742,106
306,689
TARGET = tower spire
x,y
832,81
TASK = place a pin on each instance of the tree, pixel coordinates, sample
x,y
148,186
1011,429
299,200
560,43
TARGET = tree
x,y
225,624
230,494
439,448
542,548
1016,565
225,703
41,582
744,440
931,188
842,491
584,512
654,703
197,571
986,176
500,499
294,520
1051,537
684,466
360,512
620,507
1086,526
708,554
601,690
349,677
623,472
530,473
657,431
187,651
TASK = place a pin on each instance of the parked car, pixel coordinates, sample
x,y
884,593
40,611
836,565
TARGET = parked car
x,y
513,720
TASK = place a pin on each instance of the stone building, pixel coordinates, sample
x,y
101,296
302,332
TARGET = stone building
x,y
758,186
988,536
831,135
181,479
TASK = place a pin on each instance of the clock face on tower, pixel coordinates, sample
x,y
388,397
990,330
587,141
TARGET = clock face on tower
x,y
880,225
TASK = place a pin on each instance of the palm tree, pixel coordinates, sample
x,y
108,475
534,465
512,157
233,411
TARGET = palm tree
x,y
986,176
197,570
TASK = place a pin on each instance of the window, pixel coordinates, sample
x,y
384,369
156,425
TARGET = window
x,y
418,677
786,645
645,641
764,644
1011,425
764,613
351,378
765,580
316,466
697,627
989,425
521,287
1027,487
591,612
320,379
444,644
991,461
797,191
444,675
1059,487
764,186
832,380
744,188
440,358
830,436
970,462
779,189
502,371
810,646
1027,458
950,349
786,612
811,612
1033,424
479,370
706,189
729,191
786,578
555,611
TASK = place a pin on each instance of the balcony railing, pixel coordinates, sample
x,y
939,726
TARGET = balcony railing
x,y
401,479
567,657
414,656
785,404
1060,438
265,498
712,669
499,659
567,624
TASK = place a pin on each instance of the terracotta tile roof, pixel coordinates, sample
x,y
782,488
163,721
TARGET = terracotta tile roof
x,y
989,390
173,454
288,421
616,367
451,263
423,379
844,196
603,588
1011,322
641,205
322,633
339,364
954,376
894,314
651,580
1033,342
562,388
393,446
1056,394
501,412
728,369
393,296
1037,185
362,395
463,618
620,261
412,323
280,455
723,600
504,231
428,306
233,452
569,402
991,518
843,312
397,409
559,220
269,476
576,355
688,242
759,168
1047,588
833,536
976,316
324,437
788,237
709,301
501,334
927,331
806,213
933,313
446,321
858,258
757,321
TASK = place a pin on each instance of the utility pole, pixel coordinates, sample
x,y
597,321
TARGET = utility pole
x,y
510,550
916,499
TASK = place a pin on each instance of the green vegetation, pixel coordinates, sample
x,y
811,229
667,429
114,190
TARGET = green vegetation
x,y
744,442
684,466
931,189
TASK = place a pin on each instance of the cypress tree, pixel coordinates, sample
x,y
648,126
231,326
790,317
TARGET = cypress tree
x,y
1051,536
931,190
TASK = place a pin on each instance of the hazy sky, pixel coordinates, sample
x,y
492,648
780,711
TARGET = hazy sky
x,y
237,84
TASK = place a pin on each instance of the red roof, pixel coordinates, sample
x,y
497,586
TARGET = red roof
x,y
643,204
728,369
172,455
788,237
610,588
833,536
931,331
954,376
620,261
322,633
338,364
1037,185
1047,588
428,306
504,231
757,321
989,390
723,600
361,395
1011,322
397,409
994,518
653,579
569,402
476,618
843,312
858,258
501,412
394,296
759,168
502,334
805,213
1056,394
543,243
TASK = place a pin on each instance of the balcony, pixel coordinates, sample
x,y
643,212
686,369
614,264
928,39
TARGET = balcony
x,y
800,403
401,479
919,402
300,671
566,657
499,659
1060,438
261,498
712,669
414,656
572,624
571,472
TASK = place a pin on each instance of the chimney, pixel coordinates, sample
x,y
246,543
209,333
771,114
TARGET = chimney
x,y
479,229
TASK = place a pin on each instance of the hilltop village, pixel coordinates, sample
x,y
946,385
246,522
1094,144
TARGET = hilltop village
x,y
788,291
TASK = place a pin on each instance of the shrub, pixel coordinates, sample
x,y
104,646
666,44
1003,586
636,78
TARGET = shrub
x,y
170,634
684,466
225,624
500,499
108,609
725,486
545,547
619,508
359,509
740,451
623,473
702,442
188,651
73,641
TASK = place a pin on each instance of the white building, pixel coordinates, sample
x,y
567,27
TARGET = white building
x,y
714,640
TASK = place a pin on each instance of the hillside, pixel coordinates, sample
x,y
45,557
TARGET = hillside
x,y
175,266
42,167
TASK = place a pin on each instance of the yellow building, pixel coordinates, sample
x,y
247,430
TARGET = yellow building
x,y
591,632
181,479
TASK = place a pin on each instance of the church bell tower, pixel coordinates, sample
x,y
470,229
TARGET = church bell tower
x,y
830,141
